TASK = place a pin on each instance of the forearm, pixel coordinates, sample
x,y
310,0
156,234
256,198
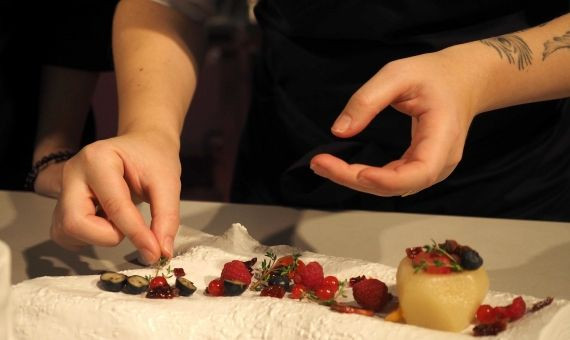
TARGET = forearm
x,y
517,68
155,52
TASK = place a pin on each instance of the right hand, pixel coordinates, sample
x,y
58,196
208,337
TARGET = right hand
x,y
103,175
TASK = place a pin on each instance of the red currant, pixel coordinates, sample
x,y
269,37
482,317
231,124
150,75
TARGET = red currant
x,y
273,291
158,281
516,309
324,293
298,291
216,287
486,314
330,282
501,313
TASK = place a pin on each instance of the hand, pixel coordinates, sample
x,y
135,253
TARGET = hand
x,y
104,175
437,94
48,182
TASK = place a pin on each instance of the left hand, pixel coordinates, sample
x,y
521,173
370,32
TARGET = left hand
x,y
438,94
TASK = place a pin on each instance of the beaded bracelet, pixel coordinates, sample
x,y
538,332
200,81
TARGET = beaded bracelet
x,y
52,158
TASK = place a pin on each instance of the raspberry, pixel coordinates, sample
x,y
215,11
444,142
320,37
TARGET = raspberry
x,y
312,275
236,271
370,294
216,287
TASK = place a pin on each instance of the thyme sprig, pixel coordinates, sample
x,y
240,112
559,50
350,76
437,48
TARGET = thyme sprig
x,y
162,262
270,266
434,247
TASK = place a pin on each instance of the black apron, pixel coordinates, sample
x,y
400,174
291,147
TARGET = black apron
x,y
317,53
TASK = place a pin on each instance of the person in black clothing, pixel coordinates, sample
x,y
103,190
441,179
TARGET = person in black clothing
x,y
434,108
51,58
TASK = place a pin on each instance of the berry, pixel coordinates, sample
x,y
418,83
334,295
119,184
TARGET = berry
x,y
280,280
324,293
216,287
273,291
516,309
370,294
157,282
486,314
470,259
501,312
355,280
284,261
179,272
297,278
433,263
312,275
330,282
298,291
236,271
412,252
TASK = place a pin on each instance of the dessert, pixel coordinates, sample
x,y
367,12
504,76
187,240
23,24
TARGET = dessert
x,y
74,307
441,286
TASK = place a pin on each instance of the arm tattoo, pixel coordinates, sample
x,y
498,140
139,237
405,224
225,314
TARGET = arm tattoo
x,y
513,48
555,44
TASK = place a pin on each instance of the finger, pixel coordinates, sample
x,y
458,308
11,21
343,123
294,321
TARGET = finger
x,y
340,172
75,224
377,93
165,212
114,197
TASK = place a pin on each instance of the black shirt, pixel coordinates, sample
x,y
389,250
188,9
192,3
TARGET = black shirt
x,y
317,53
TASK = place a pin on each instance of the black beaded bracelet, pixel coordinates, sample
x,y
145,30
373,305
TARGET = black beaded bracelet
x,y
52,158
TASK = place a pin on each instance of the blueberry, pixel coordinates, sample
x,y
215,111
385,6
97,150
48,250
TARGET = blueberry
x,y
471,260
280,280
234,288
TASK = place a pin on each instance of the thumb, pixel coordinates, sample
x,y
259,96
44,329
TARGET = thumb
x,y
377,93
165,212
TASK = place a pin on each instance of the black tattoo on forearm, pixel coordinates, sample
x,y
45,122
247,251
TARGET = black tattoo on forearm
x,y
513,48
556,44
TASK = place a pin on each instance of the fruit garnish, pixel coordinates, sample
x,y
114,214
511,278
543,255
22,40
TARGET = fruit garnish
x,y
179,272
234,288
355,280
215,287
298,291
330,282
343,308
157,282
136,285
395,316
274,267
493,320
159,288
371,294
112,282
273,291
541,304
444,258
236,271
485,329
185,286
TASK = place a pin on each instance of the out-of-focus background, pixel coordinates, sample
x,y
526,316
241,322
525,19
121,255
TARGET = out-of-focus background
x,y
76,35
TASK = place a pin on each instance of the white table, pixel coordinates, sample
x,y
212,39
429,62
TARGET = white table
x,y
523,257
